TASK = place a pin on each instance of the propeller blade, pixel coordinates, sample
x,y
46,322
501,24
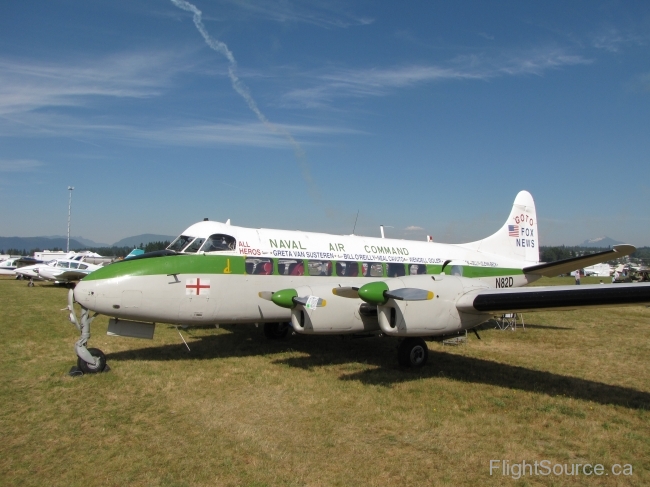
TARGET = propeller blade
x,y
409,294
346,292
268,295
310,302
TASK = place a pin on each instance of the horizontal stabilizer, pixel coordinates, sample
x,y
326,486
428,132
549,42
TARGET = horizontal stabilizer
x,y
552,269
554,298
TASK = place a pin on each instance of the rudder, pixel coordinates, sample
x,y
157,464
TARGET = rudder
x,y
517,239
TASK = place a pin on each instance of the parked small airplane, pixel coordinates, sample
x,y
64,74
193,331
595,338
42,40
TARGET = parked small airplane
x,y
63,271
8,266
329,284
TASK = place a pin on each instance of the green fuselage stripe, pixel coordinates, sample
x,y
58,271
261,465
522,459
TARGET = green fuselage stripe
x,y
217,264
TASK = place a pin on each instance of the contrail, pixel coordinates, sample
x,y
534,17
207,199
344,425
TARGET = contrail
x,y
242,89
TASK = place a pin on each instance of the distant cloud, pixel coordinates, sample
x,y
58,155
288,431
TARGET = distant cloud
x,y
19,165
184,134
613,40
380,81
486,36
413,228
319,13
249,134
27,86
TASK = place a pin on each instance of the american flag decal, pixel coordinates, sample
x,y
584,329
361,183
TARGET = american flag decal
x,y
513,230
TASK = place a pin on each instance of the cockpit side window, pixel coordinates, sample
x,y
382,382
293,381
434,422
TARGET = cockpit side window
x,y
180,243
195,246
219,242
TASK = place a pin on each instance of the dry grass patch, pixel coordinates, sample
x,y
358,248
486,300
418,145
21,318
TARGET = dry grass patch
x,y
318,411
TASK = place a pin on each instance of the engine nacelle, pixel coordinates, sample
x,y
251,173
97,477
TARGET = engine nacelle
x,y
435,317
339,315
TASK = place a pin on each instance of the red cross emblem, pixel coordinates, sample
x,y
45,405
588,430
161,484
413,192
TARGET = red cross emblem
x,y
194,286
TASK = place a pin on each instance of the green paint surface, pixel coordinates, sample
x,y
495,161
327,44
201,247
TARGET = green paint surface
x,y
373,292
176,264
284,298
218,264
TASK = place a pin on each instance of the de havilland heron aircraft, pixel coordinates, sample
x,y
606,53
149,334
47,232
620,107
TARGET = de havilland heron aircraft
x,y
320,284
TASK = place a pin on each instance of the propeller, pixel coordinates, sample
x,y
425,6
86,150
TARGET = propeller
x,y
288,298
346,292
377,293
409,294
310,302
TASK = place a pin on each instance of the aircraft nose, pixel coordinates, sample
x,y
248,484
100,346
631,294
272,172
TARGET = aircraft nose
x,y
84,294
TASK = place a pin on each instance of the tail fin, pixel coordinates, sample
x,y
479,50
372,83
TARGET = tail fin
x,y
517,239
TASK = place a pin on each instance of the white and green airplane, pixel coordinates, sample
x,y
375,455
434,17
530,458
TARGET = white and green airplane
x,y
321,284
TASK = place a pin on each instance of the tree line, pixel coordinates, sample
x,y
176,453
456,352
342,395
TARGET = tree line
x,y
103,251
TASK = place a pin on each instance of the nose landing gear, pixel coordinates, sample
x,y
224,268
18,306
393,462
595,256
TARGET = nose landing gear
x,y
89,360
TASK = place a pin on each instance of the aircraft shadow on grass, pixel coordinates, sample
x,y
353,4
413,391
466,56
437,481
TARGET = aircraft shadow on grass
x,y
243,341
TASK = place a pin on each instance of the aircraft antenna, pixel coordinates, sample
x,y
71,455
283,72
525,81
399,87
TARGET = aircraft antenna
x,y
355,223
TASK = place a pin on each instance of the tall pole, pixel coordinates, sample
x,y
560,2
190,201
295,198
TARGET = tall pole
x,y
70,188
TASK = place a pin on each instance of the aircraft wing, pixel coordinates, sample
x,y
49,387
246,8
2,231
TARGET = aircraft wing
x,y
70,275
552,269
554,298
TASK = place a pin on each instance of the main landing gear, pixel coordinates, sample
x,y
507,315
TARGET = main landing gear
x,y
90,360
413,352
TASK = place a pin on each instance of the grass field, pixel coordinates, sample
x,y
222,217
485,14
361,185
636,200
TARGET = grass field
x,y
320,411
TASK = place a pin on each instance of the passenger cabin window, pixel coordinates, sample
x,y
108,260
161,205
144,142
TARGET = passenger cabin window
x,y
74,265
219,242
64,265
415,269
347,269
180,243
291,267
83,266
319,267
194,247
371,269
395,270
260,267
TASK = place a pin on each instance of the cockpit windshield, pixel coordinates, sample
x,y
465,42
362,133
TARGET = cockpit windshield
x,y
180,243
219,242
195,246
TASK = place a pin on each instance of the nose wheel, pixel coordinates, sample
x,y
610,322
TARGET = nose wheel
x,y
89,360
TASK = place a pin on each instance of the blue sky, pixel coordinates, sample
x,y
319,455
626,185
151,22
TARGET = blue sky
x,y
427,117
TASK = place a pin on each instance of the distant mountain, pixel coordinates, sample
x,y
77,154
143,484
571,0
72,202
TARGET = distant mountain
x,y
600,242
42,243
143,239
86,241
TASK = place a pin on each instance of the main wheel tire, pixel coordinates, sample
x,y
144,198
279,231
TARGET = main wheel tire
x,y
87,368
413,353
276,331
